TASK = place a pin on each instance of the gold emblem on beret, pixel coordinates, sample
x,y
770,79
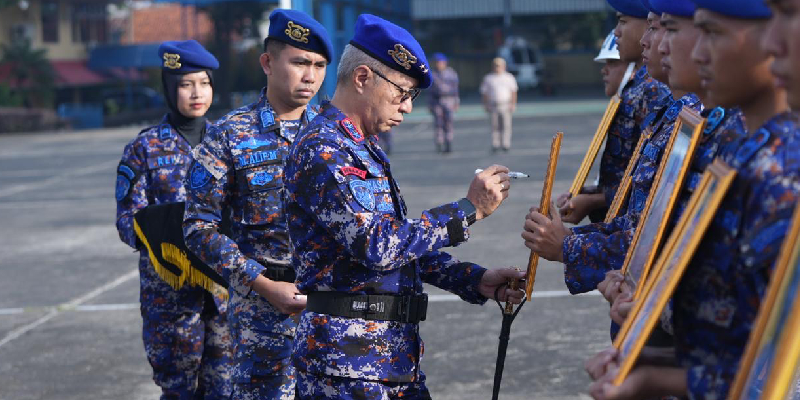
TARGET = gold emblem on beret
x,y
402,56
297,32
171,60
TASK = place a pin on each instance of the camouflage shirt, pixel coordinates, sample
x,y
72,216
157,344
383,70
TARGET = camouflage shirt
x,y
717,300
592,250
642,97
348,226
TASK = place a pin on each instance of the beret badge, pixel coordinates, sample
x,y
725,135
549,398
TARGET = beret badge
x,y
297,32
402,56
171,60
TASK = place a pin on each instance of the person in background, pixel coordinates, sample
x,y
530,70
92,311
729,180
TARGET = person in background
x,y
499,94
444,101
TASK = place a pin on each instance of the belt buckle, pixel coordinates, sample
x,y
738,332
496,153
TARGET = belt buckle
x,y
413,306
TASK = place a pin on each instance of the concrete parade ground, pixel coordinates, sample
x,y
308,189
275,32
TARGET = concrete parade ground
x,y
69,315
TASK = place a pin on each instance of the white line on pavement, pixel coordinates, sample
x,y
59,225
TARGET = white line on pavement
x,y
70,305
57,178
434,298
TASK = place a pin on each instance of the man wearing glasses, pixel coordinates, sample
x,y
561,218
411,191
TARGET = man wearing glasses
x,y
358,258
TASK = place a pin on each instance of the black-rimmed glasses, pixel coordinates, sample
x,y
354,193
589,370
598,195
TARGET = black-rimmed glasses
x,y
407,93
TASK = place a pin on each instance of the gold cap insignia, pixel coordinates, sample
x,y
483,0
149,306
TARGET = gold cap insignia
x,y
423,68
297,32
171,60
402,56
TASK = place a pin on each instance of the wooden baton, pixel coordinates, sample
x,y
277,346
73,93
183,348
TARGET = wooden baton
x,y
544,208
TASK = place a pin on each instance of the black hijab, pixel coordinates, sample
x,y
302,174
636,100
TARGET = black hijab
x,y
192,129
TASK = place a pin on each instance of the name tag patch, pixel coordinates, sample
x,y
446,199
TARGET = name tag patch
x,y
257,157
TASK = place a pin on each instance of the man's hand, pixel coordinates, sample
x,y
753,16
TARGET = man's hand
x,y
598,365
488,190
610,286
621,308
545,236
494,278
575,209
643,382
282,295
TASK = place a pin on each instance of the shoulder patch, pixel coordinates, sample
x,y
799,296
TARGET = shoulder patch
x,y
126,178
354,171
351,130
362,193
199,176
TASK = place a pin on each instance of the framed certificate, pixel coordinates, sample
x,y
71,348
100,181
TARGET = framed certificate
x,y
671,264
594,146
663,196
769,366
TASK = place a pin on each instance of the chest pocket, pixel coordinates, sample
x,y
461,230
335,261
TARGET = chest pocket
x,y
166,171
259,185
383,194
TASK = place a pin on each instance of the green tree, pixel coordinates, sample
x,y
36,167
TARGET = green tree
x,y
30,73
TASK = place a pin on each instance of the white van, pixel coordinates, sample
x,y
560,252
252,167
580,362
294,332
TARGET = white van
x,y
523,60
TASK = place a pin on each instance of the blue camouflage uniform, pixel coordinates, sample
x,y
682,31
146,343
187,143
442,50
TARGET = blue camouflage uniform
x,y
443,102
641,99
350,234
594,249
239,169
717,300
188,349
643,96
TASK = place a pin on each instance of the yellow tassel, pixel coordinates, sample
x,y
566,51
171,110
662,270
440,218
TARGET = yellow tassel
x,y
174,255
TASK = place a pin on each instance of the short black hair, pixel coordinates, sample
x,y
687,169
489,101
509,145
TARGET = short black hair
x,y
273,47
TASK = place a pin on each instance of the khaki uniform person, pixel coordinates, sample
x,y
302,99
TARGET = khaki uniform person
x,y
499,93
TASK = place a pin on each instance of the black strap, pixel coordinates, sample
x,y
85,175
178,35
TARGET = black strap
x,y
279,273
376,307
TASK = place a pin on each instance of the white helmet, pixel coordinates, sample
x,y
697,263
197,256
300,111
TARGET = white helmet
x,y
609,51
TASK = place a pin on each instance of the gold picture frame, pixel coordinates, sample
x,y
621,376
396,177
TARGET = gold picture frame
x,y
664,193
594,147
672,262
625,185
773,348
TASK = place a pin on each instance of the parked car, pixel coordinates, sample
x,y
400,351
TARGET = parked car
x,y
524,60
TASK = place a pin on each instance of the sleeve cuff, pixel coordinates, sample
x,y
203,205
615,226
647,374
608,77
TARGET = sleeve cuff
x,y
249,272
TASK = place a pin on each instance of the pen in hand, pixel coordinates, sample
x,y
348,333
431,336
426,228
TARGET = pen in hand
x,y
512,174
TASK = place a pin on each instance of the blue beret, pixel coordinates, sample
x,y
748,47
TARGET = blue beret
x,y
393,46
680,8
745,9
298,29
183,57
439,57
633,8
649,6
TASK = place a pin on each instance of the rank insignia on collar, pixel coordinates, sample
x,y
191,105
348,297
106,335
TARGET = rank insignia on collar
x,y
713,121
171,60
297,32
351,130
164,133
267,119
402,56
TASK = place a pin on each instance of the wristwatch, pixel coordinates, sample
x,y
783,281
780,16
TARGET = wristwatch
x,y
469,209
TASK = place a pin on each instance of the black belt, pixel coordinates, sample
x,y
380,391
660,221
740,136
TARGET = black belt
x,y
279,273
377,307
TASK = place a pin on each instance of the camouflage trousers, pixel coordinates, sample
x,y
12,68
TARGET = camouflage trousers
x,y
313,387
187,340
442,123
